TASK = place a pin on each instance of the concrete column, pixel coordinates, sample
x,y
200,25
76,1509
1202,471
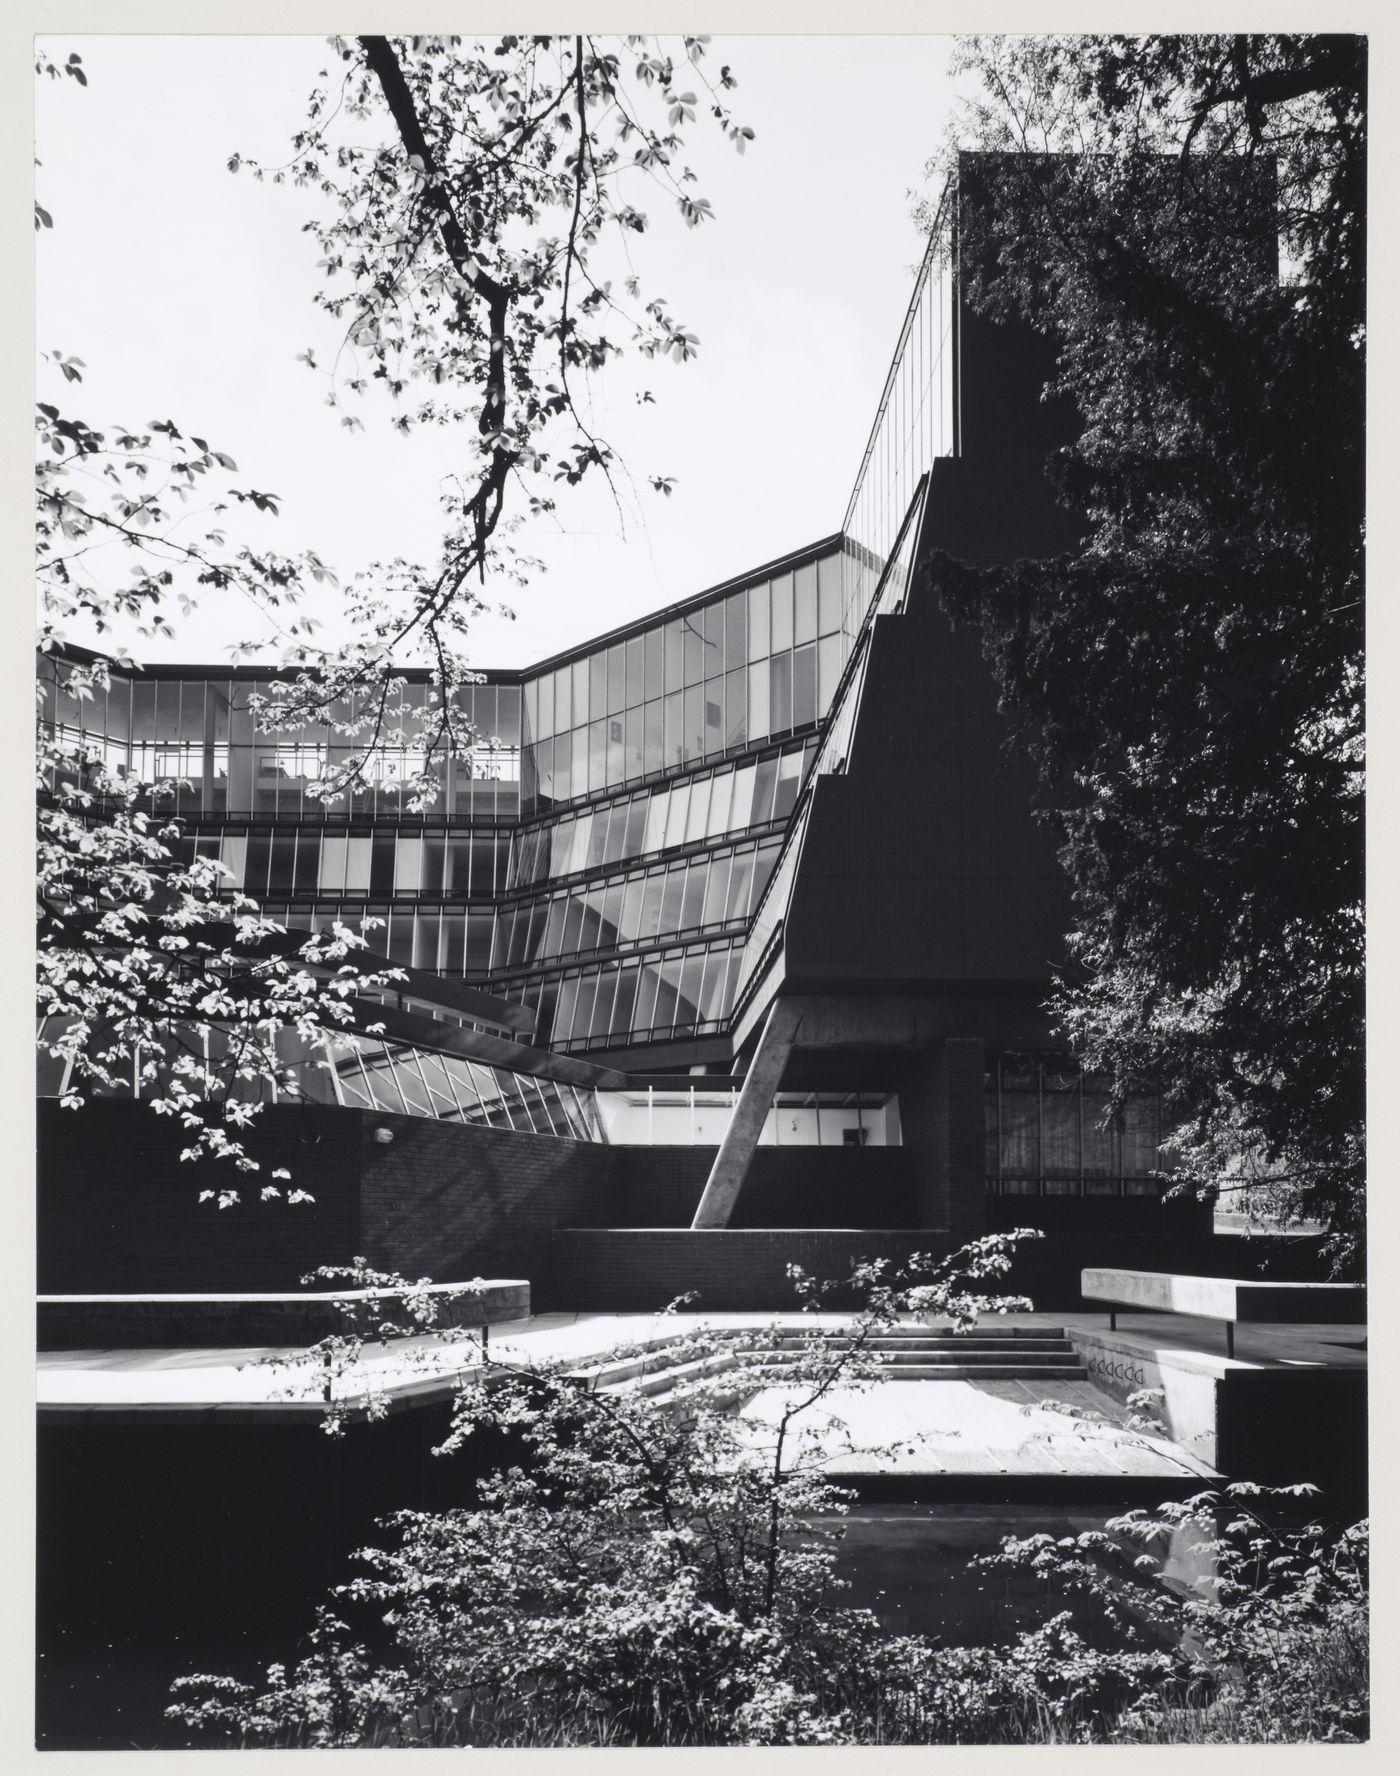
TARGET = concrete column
x,y
736,1151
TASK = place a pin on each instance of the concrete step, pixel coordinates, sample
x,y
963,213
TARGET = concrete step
x,y
974,1359
992,1339
665,1381
970,1343
1011,1371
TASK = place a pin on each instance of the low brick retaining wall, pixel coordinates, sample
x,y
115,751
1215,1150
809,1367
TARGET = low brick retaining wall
x,y
144,1322
732,1269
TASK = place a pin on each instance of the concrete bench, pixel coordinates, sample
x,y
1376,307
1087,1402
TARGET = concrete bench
x,y
1226,1298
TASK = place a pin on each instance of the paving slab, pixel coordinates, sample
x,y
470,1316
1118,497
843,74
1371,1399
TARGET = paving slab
x,y
963,1427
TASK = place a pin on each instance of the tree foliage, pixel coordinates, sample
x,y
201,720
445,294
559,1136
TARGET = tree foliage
x,y
1188,224
473,201
635,1571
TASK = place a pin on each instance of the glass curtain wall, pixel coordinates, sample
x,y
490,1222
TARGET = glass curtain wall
x,y
198,735
759,663
403,1078
704,805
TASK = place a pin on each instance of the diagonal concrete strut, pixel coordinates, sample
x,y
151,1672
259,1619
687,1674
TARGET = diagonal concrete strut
x,y
736,1151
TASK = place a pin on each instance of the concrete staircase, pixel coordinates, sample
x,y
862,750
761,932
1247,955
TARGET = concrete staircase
x,y
666,1370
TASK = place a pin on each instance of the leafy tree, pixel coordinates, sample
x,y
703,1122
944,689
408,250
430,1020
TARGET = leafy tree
x,y
1189,228
466,196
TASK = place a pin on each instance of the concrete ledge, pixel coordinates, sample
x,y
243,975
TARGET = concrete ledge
x,y
1228,1298
1278,1424
159,1322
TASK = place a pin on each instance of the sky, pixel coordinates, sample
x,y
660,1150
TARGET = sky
x,y
187,292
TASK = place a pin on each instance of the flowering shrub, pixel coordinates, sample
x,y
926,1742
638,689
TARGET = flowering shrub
x,y
638,1572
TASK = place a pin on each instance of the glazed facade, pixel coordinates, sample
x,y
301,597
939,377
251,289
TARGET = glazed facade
x,y
645,843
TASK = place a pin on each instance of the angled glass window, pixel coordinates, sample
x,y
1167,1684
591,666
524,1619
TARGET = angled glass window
x,y
764,782
634,761
426,926
740,883
694,739
789,782
693,903
479,932
671,900
573,925
693,641
544,707
233,854
654,837
736,631
631,910
592,913
653,890
634,671
675,656
674,714
408,865
636,826
653,737
736,702
780,693
716,890
654,664
617,687
597,838
615,752
308,862
714,716
625,1004
804,686
688,998
804,604
678,808
698,815
583,1009
758,625
741,807
758,701
454,933
359,853
608,930
644,1014
434,846
721,791
781,592
401,938
332,872
667,987
554,926
711,1002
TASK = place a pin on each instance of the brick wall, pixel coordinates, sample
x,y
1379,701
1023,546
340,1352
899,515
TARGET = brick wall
x,y
640,1270
452,1203
118,1211
786,1187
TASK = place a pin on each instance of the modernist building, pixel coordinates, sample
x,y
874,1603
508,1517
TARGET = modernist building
x,y
756,872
